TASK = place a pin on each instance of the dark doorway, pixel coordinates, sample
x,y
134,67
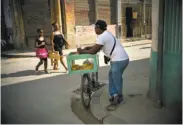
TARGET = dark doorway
x,y
129,19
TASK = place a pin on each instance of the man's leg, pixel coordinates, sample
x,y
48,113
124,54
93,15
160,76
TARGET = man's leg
x,y
117,75
112,89
112,92
116,72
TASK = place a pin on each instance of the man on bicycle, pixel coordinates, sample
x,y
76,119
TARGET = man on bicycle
x,y
117,56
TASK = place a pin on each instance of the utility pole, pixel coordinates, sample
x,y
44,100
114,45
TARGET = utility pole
x,y
119,25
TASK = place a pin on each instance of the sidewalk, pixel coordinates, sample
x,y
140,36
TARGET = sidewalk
x,y
31,52
136,109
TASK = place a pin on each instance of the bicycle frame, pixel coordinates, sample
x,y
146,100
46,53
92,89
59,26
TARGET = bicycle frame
x,y
92,83
93,75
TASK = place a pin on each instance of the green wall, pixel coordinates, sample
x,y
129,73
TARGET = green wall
x,y
172,57
172,79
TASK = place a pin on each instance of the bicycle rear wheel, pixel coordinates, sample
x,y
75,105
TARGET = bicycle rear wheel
x,y
86,90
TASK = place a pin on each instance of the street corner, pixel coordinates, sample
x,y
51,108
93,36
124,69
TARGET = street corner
x,y
77,105
84,114
96,107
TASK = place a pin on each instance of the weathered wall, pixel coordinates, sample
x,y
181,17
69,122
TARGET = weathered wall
x,y
172,56
172,53
55,11
70,22
86,34
39,17
18,24
7,14
103,10
84,12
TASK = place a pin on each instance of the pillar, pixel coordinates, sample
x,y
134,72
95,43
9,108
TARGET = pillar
x,y
55,11
18,25
70,22
154,49
119,24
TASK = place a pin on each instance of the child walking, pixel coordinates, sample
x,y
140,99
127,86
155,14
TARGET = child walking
x,y
41,53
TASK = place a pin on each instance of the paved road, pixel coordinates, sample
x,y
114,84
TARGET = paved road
x,y
31,99
82,113
44,101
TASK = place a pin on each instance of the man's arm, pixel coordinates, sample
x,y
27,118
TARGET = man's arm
x,y
88,47
93,50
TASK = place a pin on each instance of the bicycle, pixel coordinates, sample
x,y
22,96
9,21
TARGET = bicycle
x,y
89,80
88,85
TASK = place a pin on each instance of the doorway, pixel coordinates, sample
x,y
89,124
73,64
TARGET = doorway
x,y
129,19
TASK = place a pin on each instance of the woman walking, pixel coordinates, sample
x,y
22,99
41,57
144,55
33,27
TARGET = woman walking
x,y
58,42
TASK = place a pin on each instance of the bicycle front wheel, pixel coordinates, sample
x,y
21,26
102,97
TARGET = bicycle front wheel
x,y
86,90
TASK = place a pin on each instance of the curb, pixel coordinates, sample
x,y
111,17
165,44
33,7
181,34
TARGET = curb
x,y
20,56
150,116
17,56
99,112
33,56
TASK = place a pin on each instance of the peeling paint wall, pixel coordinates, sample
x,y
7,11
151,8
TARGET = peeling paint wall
x,y
39,17
86,34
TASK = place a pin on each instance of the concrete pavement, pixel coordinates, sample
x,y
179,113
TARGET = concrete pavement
x,y
30,98
42,101
136,109
15,70
31,52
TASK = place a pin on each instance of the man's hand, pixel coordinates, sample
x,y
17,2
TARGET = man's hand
x,y
93,50
87,48
79,50
74,52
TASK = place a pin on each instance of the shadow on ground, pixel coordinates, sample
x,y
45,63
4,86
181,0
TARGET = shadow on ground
x,y
47,100
21,74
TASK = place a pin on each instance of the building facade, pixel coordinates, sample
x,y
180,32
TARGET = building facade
x,y
76,18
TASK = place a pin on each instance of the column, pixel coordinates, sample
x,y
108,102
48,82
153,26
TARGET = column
x,y
70,22
119,24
